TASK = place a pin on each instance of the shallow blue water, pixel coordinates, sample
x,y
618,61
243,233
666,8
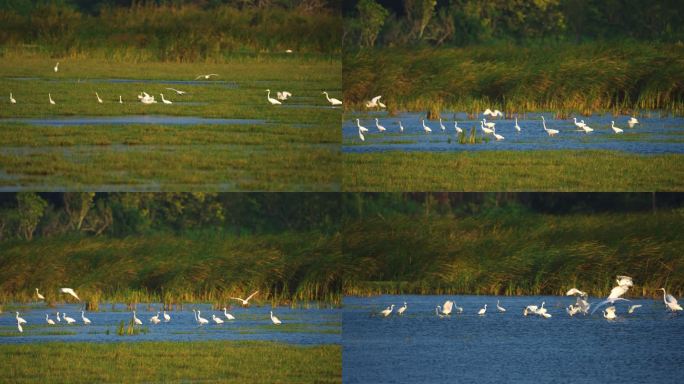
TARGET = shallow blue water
x,y
131,119
652,136
419,347
300,326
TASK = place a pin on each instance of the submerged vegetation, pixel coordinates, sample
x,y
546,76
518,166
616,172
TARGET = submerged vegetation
x,y
511,244
224,361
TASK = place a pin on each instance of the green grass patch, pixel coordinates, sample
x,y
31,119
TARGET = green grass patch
x,y
512,171
224,361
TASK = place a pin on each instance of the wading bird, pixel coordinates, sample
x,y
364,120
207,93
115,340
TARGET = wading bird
x,y
58,319
270,99
361,136
56,68
86,320
615,129
670,301
632,122
489,124
178,91
20,320
49,320
155,319
361,128
136,320
120,100
216,319
497,136
12,100
380,127
167,317
50,98
624,282
401,310
441,125
485,129
206,77
40,297
164,100
457,128
201,319
499,307
69,320
401,127
275,320
580,124
446,309
517,127
284,95
633,307
332,101
69,291
482,311
98,98
609,313
550,132
245,302
228,315
426,128
21,330
387,311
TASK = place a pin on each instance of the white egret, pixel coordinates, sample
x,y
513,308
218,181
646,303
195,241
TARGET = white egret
x,y
361,128
245,302
228,315
497,136
489,124
633,307
375,102
284,95
401,310
624,282
206,77
387,311
615,129
458,309
165,101
441,125
572,310
21,330
482,311
609,313
56,68
438,312
457,128
69,320
426,128
381,105
98,98
20,320
50,98
155,319
517,127
167,317
530,309
485,129
587,129
401,127
550,132
70,292
670,301
491,113
201,319
178,91
499,307
49,320
579,124
58,319
270,99
632,122
217,320
575,291
12,100
275,320
40,297
380,127
332,101
136,320
86,320
447,308
120,100
361,136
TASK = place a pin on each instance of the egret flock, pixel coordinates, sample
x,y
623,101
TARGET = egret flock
x,y
62,316
487,127
146,98
581,305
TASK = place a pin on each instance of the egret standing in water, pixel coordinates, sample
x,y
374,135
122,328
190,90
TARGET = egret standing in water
x,y
499,307
426,128
155,319
49,320
670,301
401,127
69,320
228,315
401,310
482,311
86,320
201,319
275,320
441,125
550,132
615,129
457,128
380,127
40,297
164,100
217,320
387,311
167,318
20,320
517,127
136,320
270,99
332,101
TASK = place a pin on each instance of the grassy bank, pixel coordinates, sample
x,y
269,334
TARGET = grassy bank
x,y
296,148
289,268
229,362
618,76
515,253
512,171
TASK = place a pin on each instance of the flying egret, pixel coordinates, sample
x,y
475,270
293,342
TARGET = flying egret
x,y
457,128
167,317
284,95
50,98
136,320
155,319
49,320
670,301
426,128
550,132
441,125
401,127
120,100
217,320
446,309
201,319
517,127
541,310
69,320
70,292
270,99
485,129
98,98
499,307
178,91
275,320
530,309
615,129
228,315
332,101
482,311
56,68
575,291
609,313
245,302
624,282
381,105
375,102
633,307
632,122
20,320
491,113
86,320
386,312
380,127
206,77
12,100
40,297
401,310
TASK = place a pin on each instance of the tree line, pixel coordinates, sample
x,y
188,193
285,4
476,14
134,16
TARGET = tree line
x,y
387,23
